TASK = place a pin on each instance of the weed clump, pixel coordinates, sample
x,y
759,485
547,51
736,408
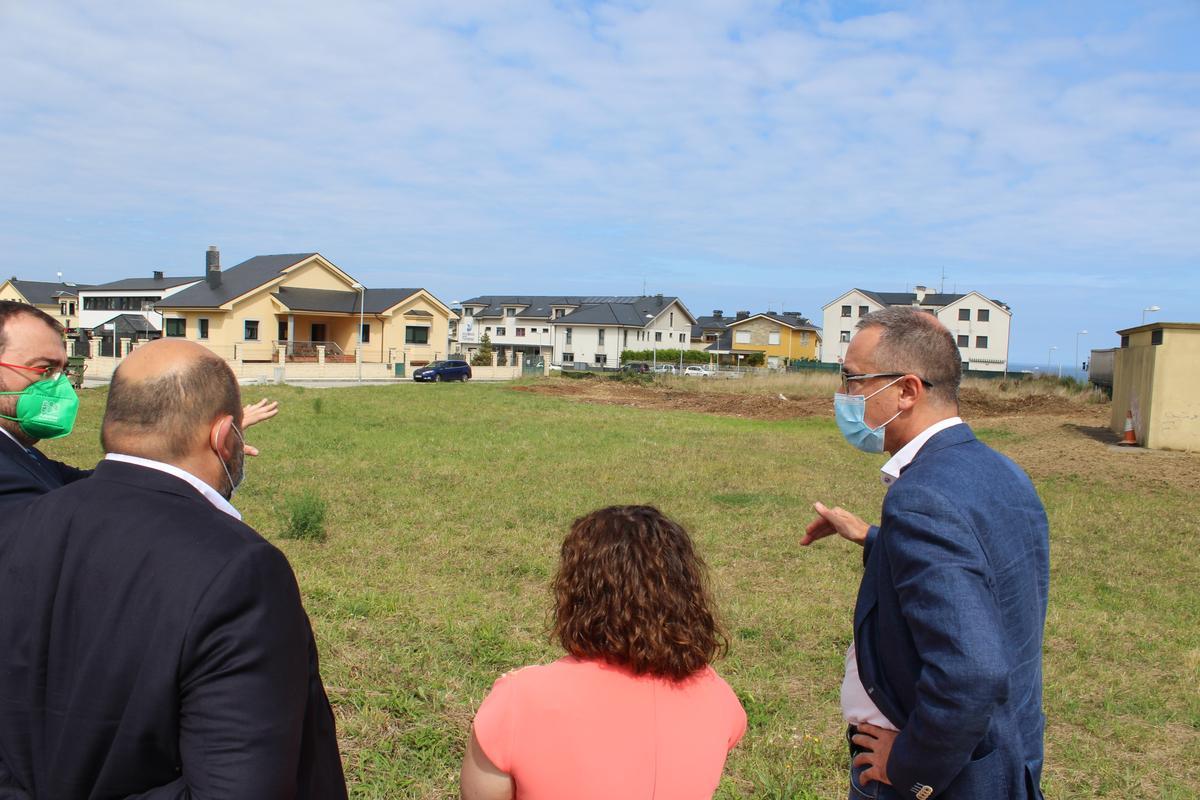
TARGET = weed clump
x,y
305,516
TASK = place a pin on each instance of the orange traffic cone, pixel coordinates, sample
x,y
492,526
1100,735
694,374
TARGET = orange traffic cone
x,y
1130,438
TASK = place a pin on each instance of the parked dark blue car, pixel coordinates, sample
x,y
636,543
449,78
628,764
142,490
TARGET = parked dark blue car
x,y
444,371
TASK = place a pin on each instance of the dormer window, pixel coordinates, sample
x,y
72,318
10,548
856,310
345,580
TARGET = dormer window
x,y
510,312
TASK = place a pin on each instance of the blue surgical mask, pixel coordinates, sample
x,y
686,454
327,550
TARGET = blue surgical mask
x,y
850,411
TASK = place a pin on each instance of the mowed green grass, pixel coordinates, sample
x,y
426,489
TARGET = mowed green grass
x,y
447,504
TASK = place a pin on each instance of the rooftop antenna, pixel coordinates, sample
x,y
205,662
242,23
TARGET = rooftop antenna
x,y
942,287
643,287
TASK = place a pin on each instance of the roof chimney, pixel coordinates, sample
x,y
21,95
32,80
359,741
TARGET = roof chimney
x,y
920,290
743,315
659,298
718,313
158,276
212,266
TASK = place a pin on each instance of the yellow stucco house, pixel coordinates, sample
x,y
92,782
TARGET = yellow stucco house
x,y
781,338
59,300
310,308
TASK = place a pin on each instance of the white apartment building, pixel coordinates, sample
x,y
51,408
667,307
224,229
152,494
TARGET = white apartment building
x,y
979,324
98,305
572,330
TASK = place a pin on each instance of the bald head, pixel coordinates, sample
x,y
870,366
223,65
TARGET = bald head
x,y
164,398
913,341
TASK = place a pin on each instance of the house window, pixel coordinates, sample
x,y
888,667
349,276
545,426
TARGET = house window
x,y
681,338
864,310
470,312
773,337
250,331
672,322
510,312
981,342
1125,340
62,309
487,329
1156,337
600,336
964,315
658,336
626,339
601,359
742,337
983,315
845,311
568,335
501,331
416,334
964,340
175,327
568,358
803,338
366,333
519,331
845,336
202,328
558,312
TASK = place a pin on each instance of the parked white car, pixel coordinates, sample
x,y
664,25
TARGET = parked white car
x,y
696,370
666,369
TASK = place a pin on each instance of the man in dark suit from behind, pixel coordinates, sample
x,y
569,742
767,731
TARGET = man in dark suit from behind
x,y
31,349
152,645
943,683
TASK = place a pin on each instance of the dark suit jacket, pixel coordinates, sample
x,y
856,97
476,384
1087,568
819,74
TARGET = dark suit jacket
x,y
153,646
949,620
25,476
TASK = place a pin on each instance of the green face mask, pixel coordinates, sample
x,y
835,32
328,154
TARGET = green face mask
x,y
46,409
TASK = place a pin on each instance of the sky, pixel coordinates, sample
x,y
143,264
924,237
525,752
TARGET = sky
x,y
737,154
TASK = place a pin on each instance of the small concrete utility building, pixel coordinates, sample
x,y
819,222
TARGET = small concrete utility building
x,y
1155,376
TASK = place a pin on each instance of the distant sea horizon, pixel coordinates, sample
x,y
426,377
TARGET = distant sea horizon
x,y
1048,369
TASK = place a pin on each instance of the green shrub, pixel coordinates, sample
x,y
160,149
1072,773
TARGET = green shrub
x,y
306,517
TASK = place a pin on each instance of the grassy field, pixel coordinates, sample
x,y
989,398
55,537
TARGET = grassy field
x,y
447,504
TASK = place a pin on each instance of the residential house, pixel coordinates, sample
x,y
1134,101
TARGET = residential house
x,y
130,296
979,324
708,330
59,300
570,330
782,338
310,308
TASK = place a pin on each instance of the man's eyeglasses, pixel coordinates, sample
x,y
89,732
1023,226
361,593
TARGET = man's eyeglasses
x,y
46,373
847,377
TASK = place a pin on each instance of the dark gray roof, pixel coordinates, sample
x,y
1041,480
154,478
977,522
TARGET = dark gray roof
x,y
535,306
709,324
46,293
794,321
910,298
628,314
235,281
341,302
125,323
144,284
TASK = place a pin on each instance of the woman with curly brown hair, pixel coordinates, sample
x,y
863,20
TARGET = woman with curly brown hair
x,y
634,709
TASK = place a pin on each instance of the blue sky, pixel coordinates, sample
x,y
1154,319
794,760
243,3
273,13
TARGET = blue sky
x,y
739,154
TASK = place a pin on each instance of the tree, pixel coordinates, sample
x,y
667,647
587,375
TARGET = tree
x,y
484,357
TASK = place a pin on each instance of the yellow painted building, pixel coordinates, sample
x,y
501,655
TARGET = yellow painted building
x,y
1155,378
308,306
59,300
781,338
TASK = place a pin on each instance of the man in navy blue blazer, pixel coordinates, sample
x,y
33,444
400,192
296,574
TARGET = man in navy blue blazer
x,y
943,682
152,644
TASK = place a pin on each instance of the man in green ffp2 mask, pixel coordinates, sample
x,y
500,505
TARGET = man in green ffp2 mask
x,y
36,402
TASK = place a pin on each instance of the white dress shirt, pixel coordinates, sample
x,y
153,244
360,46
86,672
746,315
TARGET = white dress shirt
x,y
209,493
857,706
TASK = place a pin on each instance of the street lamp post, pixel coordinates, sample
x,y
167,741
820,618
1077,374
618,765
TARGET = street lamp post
x,y
1149,310
654,359
1049,357
362,303
1077,335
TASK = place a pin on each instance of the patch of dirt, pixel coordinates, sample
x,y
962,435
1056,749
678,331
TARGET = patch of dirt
x,y
975,404
1047,435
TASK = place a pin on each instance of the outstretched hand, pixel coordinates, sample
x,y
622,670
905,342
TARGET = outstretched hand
x,y
835,520
255,413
